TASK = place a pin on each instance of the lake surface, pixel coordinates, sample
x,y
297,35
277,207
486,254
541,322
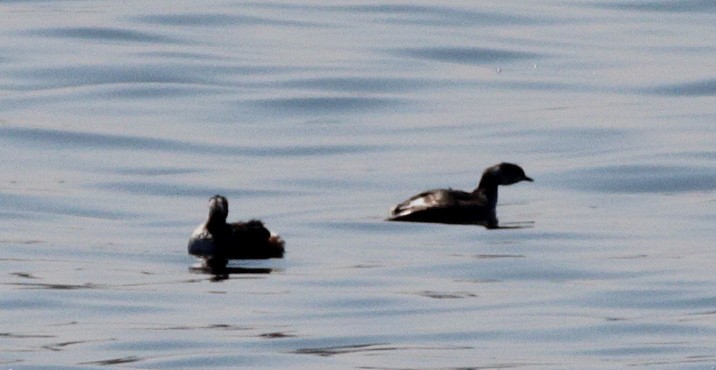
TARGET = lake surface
x,y
118,120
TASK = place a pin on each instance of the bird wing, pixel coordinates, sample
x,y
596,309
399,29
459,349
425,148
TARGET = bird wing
x,y
436,198
250,232
251,240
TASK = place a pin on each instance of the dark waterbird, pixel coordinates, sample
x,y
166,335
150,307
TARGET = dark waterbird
x,y
217,241
450,206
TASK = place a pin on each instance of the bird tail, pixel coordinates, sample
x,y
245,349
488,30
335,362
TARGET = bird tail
x,y
276,245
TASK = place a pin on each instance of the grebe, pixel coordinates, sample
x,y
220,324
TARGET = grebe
x,y
217,241
460,207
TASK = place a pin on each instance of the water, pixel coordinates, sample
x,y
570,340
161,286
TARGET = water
x,y
118,120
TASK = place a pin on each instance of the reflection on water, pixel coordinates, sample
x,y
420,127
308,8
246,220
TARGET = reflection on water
x,y
118,120
226,272
507,225
114,361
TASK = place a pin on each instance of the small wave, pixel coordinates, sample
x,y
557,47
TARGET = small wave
x,y
681,6
359,84
642,179
330,104
424,15
695,88
466,55
104,34
46,205
182,190
71,139
220,20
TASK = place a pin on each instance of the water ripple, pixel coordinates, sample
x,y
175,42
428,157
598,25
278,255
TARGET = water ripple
x,y
180,190
420,15
330,104
220,20
104,34
665,299
696,88
69,139
179,73
466,55
156,171
642,179
361,84
47,205
436,15
681,6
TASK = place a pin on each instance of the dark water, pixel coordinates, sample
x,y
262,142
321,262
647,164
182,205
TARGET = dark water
x,y
119,119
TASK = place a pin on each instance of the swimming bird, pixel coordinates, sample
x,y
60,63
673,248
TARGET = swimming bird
x,y
217,241
460,207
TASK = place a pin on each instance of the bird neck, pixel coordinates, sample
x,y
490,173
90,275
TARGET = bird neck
x,y
215,223
487,189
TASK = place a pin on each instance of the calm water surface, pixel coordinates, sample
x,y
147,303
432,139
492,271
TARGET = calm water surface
x,y
119,119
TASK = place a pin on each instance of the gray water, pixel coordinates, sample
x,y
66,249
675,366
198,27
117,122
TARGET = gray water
x,y
118,120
